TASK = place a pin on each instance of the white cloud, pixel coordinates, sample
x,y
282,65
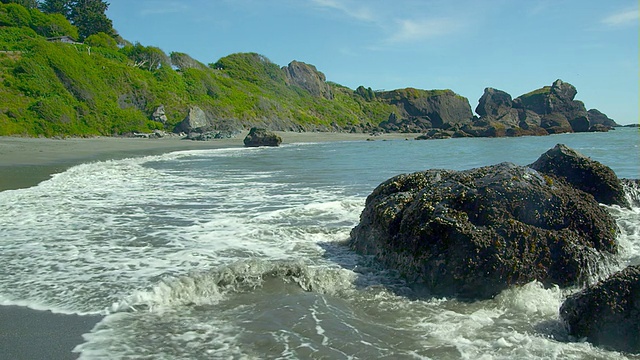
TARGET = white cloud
x,y
408,30
348,8
626,17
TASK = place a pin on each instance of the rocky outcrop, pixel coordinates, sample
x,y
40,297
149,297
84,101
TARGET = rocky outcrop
x,y
261,137
582,173
598,118
548,110
561,113
608,313
501,116
196,118
474,233
159,115
419,110
308,78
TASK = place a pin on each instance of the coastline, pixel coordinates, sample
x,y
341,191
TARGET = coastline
x,y
25,162
26,333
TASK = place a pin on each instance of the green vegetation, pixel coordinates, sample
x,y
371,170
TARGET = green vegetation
x,y
542,91
53,88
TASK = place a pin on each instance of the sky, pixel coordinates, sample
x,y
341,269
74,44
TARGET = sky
x,y
464,45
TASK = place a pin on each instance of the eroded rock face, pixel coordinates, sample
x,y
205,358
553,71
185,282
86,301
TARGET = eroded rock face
x,y
261,137
309,78
583,173
159,115
196,118
474,233
494,103
598,118
420,110
608,313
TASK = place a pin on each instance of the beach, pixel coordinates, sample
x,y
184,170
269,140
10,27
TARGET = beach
x,y
24,162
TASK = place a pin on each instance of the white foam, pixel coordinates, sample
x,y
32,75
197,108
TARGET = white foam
x,y
97,232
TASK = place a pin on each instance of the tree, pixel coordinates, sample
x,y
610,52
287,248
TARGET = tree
x,y
146,57
101,40
50,25
29,4
89,16
56,7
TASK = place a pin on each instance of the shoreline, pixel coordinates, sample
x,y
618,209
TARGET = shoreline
x,y
26,333
25,162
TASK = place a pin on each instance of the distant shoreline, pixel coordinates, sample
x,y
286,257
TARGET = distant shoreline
x,y
25,162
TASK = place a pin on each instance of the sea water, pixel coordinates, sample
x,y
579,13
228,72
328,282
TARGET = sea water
x,y
240,254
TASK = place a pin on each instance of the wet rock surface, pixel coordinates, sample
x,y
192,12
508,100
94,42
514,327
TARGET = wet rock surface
x,y
608,313
474,233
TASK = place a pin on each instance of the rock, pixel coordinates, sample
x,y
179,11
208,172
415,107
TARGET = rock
x,y
425,109
261,137
474,233
608,313
208,135
159,115
436,134
555,123
494,103
194,120
599,128
598,118
502,116
583,173
308,78
561,113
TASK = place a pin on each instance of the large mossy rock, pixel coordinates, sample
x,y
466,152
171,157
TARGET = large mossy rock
x,y
261,137
474,233
583,173
608,313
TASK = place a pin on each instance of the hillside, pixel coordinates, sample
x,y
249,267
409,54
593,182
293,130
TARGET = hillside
x,y
55,88
51,85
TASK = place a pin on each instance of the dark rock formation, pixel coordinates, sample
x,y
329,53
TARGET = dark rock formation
x,y
607,313
261,137
501,116
159,115
583,173
194,120
494,103
474,233
548,110
557,100
309,78
211,134
598,118
420,110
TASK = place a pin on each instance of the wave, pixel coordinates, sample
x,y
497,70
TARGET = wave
x,y
628,221
211,287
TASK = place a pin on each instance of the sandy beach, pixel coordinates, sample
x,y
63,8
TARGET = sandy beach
x,y
25,162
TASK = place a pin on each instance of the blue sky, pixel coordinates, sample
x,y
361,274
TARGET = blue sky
x,y
464,45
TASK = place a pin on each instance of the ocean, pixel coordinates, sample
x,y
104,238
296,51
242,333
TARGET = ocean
x,y
240,254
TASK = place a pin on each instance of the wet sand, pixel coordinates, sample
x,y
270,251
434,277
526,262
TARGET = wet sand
x,y
24,162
